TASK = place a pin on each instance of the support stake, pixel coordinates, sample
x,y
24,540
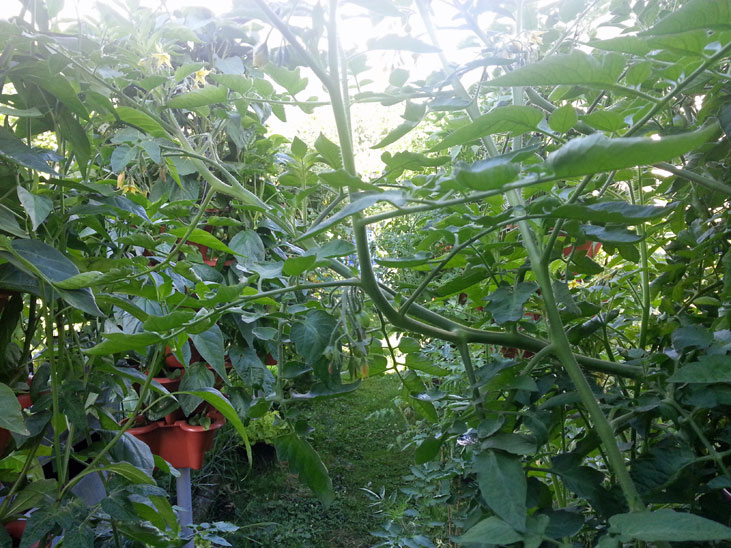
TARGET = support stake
x,y
185,502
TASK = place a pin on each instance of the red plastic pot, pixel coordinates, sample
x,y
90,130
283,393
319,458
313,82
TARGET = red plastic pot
x,y
148,434
181,444
25,402
591,248
172,361
16,529
172,385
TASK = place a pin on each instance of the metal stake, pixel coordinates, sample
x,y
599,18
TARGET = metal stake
x,y
185,502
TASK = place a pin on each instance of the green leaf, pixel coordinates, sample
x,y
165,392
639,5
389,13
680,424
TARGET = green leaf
x,y
428,449
234,82
563,119
304,461
597,152
313,335
248,245
611,235
708,369
408,345
321,390
697,14
506,303
610,212
329,151
576,68
342,179
509,119
20,113
39,259
16,150
11,414
73,132
414,385
142,121
489,532
691,336
294,266
668,525
489,174
468,278
418,259
605,120
395,134
128,471
36,206
186,70
174,320
420,362
264,333
291,80
517,444
9,224
121,342
209,95
197,377
401,43
503,486
202,237
210,346
81,280
356,206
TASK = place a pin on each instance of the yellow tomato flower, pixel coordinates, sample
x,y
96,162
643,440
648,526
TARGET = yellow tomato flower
x,y
126,187
162,59
199,77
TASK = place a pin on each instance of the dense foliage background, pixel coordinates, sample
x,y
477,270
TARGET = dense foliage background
x,y
544,266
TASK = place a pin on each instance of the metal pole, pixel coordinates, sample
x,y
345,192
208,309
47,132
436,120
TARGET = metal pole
x,y
182,484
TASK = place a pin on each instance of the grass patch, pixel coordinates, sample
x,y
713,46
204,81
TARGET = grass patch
x,y
355,436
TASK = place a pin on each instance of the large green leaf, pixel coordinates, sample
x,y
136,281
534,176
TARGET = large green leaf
x,y
202,237
668,525
509,119
329,151
9,224
304,461
697,14
196,377
39,259
506,303
11,415
489,532
209,95
312,335
36,206
503,486
356,206
708,369
563,119
121,342
234,82
610,212
210,346
16,150
142,121
597,152
575,68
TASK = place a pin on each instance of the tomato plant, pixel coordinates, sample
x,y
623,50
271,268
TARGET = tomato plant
x,y
546,267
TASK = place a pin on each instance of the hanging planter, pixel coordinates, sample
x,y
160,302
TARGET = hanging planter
x,y
183,445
